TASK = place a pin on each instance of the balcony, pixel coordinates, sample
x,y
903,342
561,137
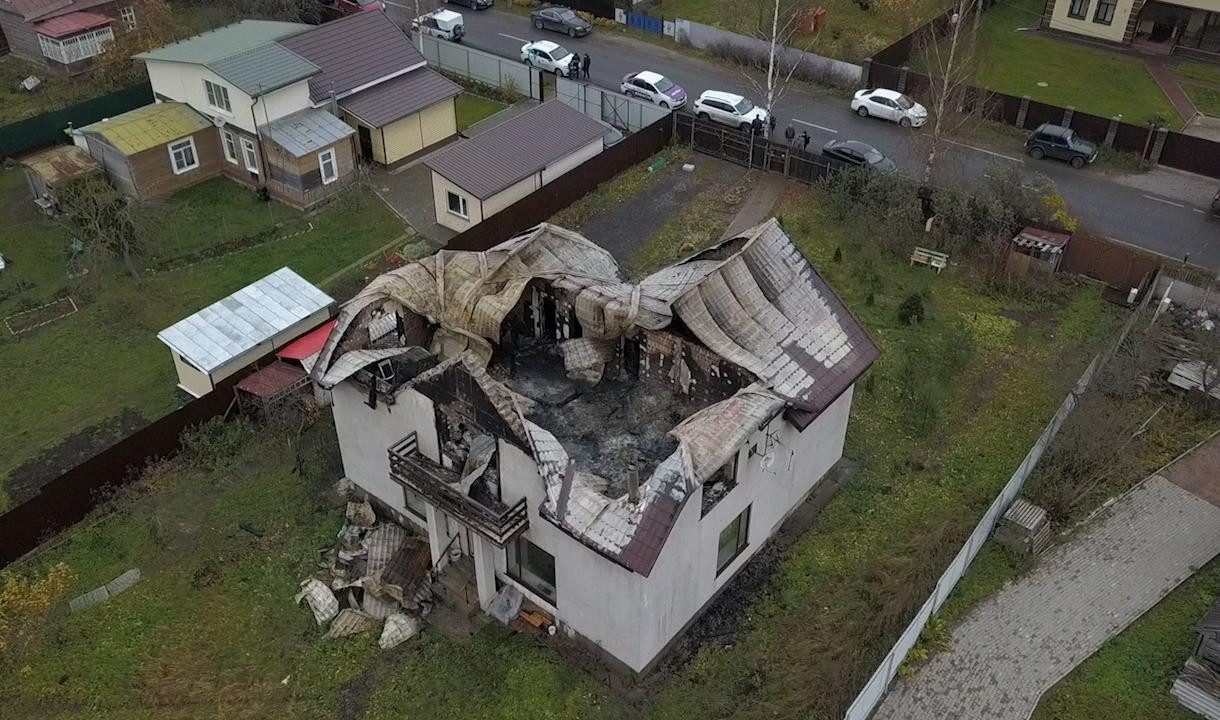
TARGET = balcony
x,y
492,519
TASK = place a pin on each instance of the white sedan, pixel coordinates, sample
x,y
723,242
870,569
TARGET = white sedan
x,y
729,109
889,105
654,88
548,55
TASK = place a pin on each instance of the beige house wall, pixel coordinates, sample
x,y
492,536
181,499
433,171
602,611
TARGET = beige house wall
x,y
438,122
406,136
1086,27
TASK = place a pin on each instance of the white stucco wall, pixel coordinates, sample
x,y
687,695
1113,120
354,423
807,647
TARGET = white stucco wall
x,y
183,82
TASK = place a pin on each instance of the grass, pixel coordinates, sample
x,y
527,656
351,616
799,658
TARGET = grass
x,y
849,33
693,228
848,587
1197,71
1130,676
56,91
1090,79
471,109
82,371
211,629
1206,99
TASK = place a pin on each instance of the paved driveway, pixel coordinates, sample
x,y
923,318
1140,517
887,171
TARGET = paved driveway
x,y
1017,644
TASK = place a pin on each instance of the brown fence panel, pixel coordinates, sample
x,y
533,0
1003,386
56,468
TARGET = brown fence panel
x,y
69,498
1039,113
555,196
1118,265
1192,154
917,83
1001,108
1131,138
882,76
1090,127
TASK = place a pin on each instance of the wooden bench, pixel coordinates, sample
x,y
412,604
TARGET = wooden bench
x,y
933,258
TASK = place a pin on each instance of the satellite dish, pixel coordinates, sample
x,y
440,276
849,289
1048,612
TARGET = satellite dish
x,y
218,121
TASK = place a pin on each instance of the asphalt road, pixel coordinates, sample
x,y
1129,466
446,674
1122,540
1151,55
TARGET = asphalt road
x,y
1159,222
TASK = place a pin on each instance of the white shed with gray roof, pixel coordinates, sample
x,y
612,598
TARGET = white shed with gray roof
x,y
253,322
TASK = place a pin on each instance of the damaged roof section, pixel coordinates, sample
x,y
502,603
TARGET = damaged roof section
x,y
646,390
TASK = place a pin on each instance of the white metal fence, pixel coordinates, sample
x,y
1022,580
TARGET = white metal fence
x,y
868,699
484,67
624,113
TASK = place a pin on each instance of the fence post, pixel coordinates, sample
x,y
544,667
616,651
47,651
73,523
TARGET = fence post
x,y
1112,130
902,78
866,69
1068,112
1158,144
1022,111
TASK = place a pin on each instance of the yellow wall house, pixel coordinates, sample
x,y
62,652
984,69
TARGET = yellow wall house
x,y
477,178
1193,24
244,327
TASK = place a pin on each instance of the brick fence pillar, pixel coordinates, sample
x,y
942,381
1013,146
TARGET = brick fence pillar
x,y
866,69
1111,131
1021,111
1158,144
902,79
1068,112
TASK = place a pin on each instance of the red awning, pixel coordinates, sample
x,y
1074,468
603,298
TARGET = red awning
x,y
272,380
73,23
308,344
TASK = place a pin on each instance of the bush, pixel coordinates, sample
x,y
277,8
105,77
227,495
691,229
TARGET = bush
x,y
26,604
911,310
821,72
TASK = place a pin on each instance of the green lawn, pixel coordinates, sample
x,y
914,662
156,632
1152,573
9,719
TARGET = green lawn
x,y
1092,80
83,370
1197,71
55,92
1130,676
473,108
1206,100
849,33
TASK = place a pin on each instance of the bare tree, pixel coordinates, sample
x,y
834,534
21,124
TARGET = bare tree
x,y
156,25
107,224
950,59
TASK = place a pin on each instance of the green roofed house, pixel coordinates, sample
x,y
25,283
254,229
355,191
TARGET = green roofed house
x,y
277,106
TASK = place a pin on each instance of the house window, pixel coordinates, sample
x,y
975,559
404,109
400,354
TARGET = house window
x,y
250,153
230,146
719,485
1105,11
1078,9
182,155
533,567
415,505
76,48
129,17
328,167
733,539
457,206
218,96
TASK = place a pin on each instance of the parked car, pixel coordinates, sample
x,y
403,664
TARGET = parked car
x,y
561,20
613,135
854,152
443,24
889,105
547,55
655,88
473,4
728,108
351,7
1055,141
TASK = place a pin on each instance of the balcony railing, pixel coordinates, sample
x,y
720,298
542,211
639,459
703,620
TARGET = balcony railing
x,y
439,485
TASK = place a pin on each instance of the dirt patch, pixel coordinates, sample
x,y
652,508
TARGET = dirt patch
x,y
25,481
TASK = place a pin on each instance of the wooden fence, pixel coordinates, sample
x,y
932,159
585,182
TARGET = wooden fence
x,y
752,151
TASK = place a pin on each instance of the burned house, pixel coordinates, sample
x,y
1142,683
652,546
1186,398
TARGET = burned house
x,y
613,451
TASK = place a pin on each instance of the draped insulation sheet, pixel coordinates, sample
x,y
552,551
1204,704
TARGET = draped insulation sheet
x,y
754,300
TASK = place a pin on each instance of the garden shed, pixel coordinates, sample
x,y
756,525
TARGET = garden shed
x,y
52,169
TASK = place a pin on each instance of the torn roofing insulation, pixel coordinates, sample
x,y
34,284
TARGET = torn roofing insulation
x,y
753,301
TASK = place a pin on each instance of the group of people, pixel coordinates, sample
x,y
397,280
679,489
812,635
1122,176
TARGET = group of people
x,y
756,126
578,67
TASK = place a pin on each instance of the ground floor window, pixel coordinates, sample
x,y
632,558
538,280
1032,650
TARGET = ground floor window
x,y
733,539
1105,11
230,147
327,166
182,155
250,152
457,205
533,567
416,505
1078,8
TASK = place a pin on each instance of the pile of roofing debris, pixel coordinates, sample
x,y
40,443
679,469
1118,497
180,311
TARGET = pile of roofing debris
x,y
1191,344
749,316
376,571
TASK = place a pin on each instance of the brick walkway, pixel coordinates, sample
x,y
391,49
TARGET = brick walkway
x,y
1018,643
1168,82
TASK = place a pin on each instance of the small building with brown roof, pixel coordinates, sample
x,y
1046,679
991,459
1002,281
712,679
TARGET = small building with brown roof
x,y
52,169
478,177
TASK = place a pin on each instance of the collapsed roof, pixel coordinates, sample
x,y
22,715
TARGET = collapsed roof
x,y
754,300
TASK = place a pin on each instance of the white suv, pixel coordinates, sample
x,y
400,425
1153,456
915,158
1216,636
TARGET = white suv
x,y
547,55
729,109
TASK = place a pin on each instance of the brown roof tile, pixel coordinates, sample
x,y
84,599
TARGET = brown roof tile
x,y
354,51
402,96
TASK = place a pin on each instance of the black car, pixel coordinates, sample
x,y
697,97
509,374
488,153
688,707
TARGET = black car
x,y
1055,141
561,20
473,4
854,152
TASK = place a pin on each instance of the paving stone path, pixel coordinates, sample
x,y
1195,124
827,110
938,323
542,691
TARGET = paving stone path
x,y
1018,643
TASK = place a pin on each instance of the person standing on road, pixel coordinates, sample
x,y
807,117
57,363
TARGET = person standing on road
x,y
771,127
789,134
584,66
756,126
574,67
805,140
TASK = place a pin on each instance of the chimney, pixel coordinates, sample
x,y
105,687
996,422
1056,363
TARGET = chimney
x,y
633,483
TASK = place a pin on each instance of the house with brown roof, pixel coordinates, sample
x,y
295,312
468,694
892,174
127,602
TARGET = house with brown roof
x,y
478,177
606,454
63,35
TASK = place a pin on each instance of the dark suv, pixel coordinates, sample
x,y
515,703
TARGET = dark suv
x,y
1060,143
